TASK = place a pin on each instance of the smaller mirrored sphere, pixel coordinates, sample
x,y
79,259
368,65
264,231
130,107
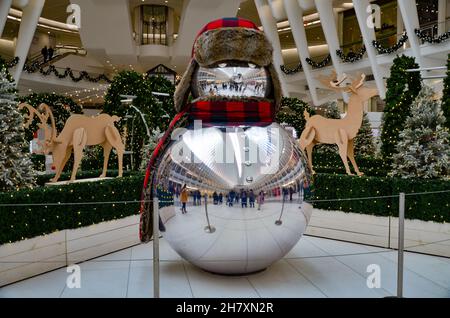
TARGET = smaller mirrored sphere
x,y
231,81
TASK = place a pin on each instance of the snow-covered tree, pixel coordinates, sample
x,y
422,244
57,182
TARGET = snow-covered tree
x,y
364,142
16,169
148,147
423,150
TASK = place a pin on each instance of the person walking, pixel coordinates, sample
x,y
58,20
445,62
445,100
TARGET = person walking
x,y
251,198
44,53
183,199
260,199
243,198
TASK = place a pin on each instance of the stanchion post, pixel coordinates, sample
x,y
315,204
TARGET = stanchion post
x,y
155,247
401,241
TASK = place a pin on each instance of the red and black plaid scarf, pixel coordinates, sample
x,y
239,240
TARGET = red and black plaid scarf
x,y
210,113
233,112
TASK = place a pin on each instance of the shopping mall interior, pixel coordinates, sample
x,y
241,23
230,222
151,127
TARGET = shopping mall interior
x,y
225,149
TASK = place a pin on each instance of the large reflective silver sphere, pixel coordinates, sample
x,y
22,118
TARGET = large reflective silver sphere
x,y
245,208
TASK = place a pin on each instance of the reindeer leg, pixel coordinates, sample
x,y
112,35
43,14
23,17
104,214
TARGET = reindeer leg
x,y
79,140
309,150
307,137
63,164
351,156
106,151
342,143
113,137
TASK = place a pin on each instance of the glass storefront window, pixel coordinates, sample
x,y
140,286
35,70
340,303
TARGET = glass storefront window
x,y
154,24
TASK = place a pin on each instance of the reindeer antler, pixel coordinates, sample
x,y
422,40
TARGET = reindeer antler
x,y
333,82
48,113
336,83
31,112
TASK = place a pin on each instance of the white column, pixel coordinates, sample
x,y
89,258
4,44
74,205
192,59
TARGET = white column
x,y
328,21
408,10
400,25
4,10
30,18
270,29
295,17
441,16
368,35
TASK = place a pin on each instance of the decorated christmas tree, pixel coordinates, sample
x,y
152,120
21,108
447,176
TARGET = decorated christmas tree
x,y
364,142
158,111
291,113
446,95
15,164
423,150
332,111
402,89
148,148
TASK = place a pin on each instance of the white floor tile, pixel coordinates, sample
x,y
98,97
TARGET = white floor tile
x,y
48,285
413,285
436,269
145,251
105,279
306,271
173,280
333,247
304,248
206,285
282,280
333,278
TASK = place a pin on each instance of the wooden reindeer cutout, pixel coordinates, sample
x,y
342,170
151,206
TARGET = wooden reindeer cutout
x,y
78,132
319,129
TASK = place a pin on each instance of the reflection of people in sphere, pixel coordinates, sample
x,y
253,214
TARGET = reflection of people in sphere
x,y
184,198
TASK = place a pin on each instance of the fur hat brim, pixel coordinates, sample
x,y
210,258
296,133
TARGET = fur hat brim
x,y
231,43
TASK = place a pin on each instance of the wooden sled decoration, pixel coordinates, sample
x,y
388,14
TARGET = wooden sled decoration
x,y
78,132
341,132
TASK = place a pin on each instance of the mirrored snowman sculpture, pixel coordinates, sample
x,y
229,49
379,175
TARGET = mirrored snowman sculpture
x,y
243,175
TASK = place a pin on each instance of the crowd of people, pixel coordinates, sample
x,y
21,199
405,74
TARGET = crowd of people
x,y
242,197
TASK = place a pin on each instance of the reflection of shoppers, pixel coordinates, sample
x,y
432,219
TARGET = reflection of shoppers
x,y
183,199
260,199
244,198
220,197
251,198
306,190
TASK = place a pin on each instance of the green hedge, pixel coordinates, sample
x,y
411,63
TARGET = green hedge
x,y
22,222
332,163
430,207
41,180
